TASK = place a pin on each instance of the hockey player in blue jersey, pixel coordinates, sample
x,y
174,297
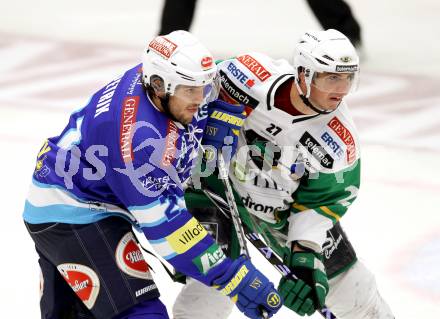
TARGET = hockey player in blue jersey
x,y
122,161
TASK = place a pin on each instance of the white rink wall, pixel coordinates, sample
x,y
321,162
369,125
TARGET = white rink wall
x,y
394,224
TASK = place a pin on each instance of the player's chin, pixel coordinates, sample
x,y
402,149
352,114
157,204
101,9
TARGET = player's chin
x,y
192,110
333,103
186,118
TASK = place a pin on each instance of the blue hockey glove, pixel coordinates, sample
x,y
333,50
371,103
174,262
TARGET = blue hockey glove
x,y
307,293
223,126
251,291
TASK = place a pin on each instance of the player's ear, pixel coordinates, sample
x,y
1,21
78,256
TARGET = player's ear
x,y
301,75
157,83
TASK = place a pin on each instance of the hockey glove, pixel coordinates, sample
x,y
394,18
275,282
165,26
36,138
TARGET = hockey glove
x,y
251,291
223,126
307,293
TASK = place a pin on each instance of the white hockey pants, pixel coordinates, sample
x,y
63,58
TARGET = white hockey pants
x,y
353,295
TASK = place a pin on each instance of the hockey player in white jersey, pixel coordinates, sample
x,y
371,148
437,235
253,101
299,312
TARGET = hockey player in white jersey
x,y
296,172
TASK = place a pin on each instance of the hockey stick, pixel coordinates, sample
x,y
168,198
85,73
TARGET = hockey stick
x,y
224,176
254,238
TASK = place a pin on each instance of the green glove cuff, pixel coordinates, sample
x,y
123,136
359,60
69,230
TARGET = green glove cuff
x,y
310,260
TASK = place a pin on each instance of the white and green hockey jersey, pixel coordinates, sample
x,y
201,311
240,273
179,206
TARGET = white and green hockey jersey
x,y
309,165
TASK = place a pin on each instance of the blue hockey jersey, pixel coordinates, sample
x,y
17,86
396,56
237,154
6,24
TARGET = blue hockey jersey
x,y
120,155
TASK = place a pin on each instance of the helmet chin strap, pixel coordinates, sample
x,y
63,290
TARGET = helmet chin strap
x,y
310,105
307,102
164,102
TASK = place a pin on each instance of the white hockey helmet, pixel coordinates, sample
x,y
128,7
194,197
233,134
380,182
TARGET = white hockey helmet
x,y
177,59
325,51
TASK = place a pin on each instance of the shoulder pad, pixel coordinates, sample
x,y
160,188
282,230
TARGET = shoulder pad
x,y
246,78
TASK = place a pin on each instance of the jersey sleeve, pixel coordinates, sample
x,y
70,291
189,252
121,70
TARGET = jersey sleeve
x,y
320,201
148,185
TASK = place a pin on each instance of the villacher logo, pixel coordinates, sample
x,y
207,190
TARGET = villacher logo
x,y
191,233
129,258
83,280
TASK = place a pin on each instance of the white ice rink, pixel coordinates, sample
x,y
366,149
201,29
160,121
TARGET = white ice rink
x,y
75,47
